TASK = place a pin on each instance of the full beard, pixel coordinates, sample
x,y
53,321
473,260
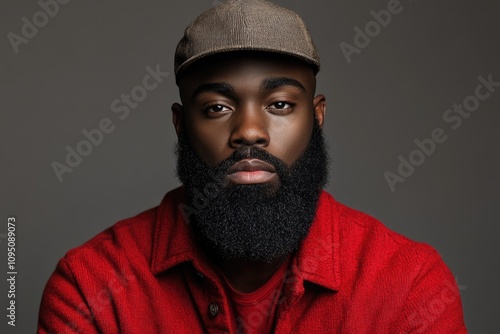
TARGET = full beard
x,y
255,222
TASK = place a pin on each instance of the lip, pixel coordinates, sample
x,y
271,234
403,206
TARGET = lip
x,y
251,165
251,171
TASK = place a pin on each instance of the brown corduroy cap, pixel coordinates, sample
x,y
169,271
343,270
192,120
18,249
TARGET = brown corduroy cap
x,y
245,25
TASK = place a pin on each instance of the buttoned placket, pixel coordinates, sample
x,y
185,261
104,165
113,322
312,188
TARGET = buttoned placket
x,y
211,300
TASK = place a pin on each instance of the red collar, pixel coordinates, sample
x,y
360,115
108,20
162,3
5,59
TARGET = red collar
x,y
317,260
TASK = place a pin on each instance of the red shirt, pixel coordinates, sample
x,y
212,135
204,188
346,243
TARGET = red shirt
x,y
255,311
351,274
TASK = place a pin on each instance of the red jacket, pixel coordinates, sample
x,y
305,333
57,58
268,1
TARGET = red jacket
x,y
351,275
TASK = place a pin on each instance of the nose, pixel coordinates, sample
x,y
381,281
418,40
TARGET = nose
x,y
250,128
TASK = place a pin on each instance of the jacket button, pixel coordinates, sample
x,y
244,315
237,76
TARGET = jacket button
x,y
214,309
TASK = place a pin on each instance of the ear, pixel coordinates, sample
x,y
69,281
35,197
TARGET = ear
x,y
319,103
178,117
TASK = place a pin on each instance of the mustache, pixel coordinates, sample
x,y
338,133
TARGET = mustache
x,y
251,152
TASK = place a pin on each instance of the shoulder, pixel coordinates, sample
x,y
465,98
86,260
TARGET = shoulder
x,y
362,236
412,282
129,241
119,233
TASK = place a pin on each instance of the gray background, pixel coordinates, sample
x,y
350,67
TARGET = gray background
x,y
395,91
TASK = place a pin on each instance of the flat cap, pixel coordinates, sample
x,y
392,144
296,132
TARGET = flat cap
x,y
237,25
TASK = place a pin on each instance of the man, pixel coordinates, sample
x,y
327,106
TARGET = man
x,y
250,243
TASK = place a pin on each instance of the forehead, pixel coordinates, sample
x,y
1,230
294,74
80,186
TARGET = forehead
x,y
246,69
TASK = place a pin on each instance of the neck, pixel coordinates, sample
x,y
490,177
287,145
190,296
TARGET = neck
x,y
248,276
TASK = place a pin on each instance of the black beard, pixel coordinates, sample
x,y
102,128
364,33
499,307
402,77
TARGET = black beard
x,y
256,222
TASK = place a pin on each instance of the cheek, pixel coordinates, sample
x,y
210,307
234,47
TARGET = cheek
x,y
290,136
208,141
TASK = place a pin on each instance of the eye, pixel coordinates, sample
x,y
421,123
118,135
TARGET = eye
x,y
281,105
215,108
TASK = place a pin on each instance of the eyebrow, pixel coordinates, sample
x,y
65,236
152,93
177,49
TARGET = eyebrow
x,y
273,83
215,87
228,90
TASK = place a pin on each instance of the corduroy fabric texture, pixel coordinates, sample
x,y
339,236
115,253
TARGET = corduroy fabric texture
x,y
351,275
237,25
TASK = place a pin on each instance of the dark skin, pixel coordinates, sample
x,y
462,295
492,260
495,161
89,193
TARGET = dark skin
x,y
245,100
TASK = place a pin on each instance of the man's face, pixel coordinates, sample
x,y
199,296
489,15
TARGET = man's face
x,y
251,128
249,99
